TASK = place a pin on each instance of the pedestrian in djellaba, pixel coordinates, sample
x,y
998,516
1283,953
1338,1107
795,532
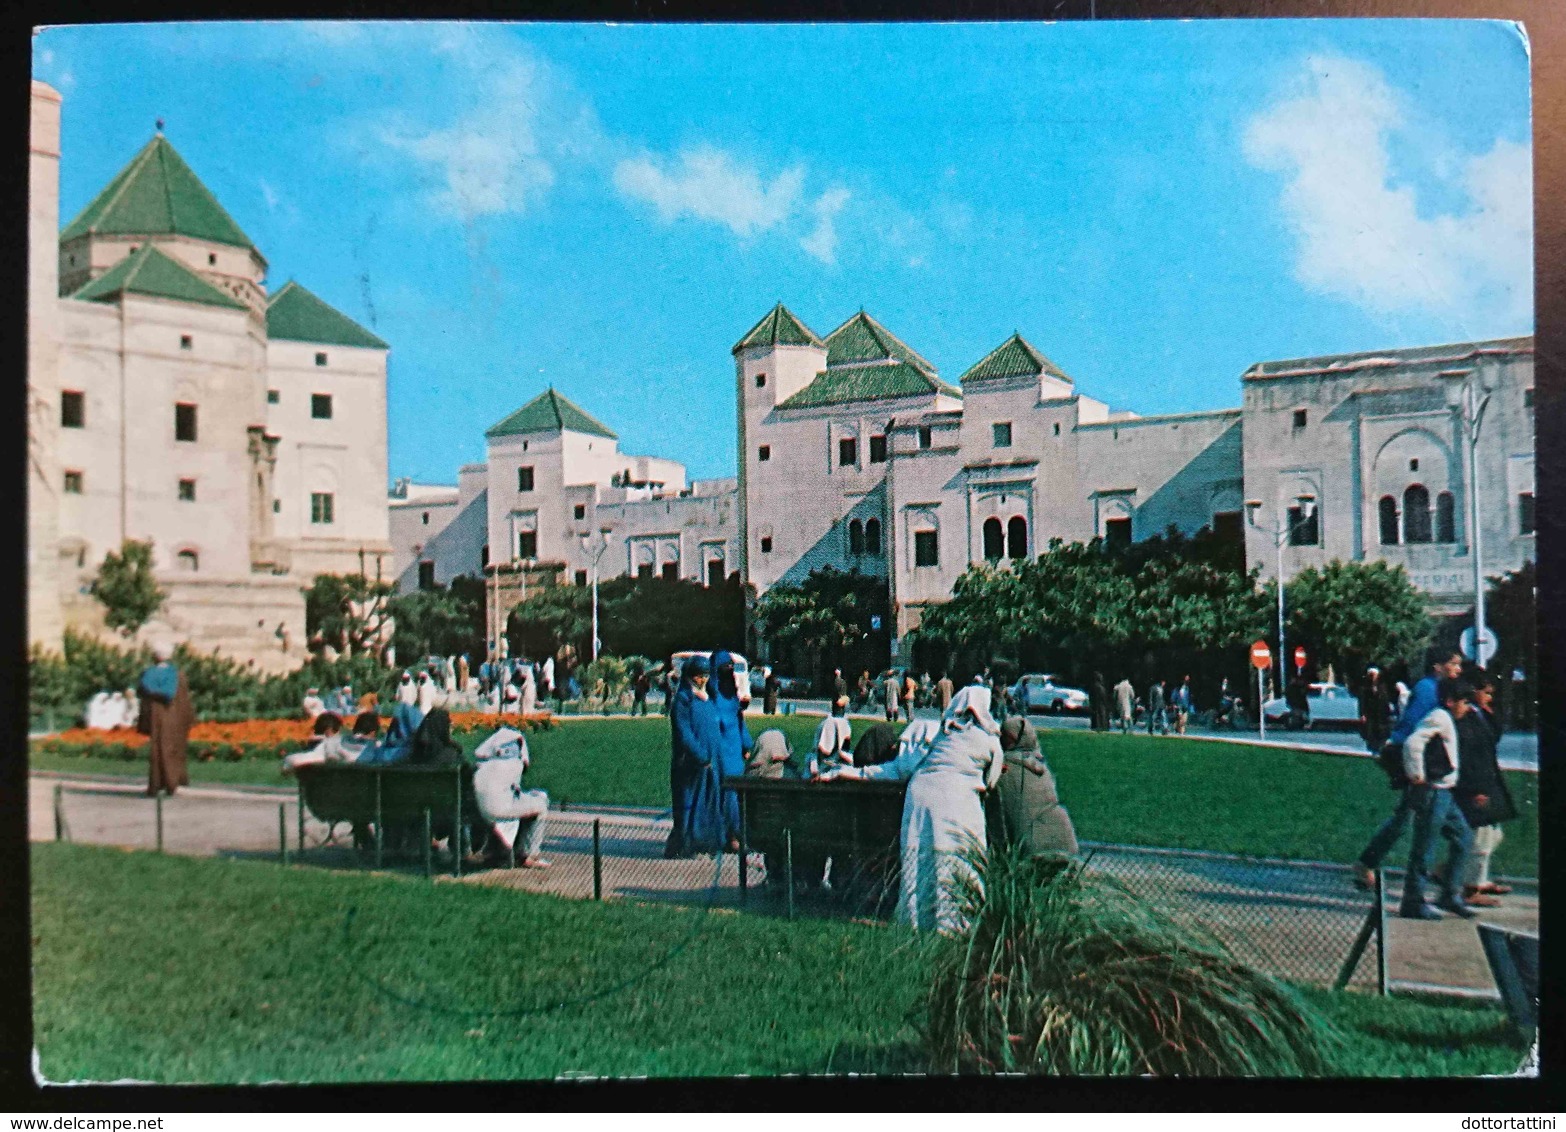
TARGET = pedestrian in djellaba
x,y
165,718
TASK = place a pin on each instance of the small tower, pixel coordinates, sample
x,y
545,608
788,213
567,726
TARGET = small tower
x,y
775,360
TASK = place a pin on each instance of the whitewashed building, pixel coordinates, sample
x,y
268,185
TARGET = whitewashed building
x,y
554,495
855,454
176,400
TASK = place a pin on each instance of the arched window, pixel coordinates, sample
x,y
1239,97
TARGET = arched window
x,y
1017,537
1445,518
993,540
856,537
1416,514
1388,508
873,537
188,561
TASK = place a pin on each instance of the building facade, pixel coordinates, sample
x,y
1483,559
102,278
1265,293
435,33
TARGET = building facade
x,y
176,401
854,454
555,499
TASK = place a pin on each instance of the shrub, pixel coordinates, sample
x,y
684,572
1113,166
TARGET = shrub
x,y
1062,972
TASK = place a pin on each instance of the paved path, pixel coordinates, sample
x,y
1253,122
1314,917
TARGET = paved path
x,y
1293,918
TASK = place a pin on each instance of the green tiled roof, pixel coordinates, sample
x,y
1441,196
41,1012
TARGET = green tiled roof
x,y
293,314
863,339
157,195
549,412
1013,358
879,381
778,328
147,271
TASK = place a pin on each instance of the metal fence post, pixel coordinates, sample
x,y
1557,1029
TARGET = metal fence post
x,y
157,802
59,812
598,863
380,825
456,831
1383,945
429,834
788,863
744,854
282,832
299,811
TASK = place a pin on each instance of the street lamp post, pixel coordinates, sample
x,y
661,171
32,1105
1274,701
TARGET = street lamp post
x,y
1470,397
595,548
1280,533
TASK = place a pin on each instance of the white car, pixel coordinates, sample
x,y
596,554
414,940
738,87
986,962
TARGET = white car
x,y
741,671
1041,693
1330,705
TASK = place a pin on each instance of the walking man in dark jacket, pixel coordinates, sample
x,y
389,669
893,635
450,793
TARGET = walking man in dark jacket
x,y
1481,792
1375,711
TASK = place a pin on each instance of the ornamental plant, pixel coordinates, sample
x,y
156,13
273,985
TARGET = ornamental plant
x,y
1063,971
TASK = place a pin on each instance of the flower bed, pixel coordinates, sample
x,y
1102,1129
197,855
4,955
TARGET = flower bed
x,y
249,739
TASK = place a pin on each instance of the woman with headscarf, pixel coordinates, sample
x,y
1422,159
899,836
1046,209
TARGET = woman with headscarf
x,y
529,689
426,692
1029,815
694,753
943,815
166,716
715,814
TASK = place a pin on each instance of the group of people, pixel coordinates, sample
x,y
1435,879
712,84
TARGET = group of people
x,y
112,711
1165,710
1441,758
898,693
949,764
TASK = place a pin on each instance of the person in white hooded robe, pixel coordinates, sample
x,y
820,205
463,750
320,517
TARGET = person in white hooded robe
x,y
426,693
407,691
529,689
943,814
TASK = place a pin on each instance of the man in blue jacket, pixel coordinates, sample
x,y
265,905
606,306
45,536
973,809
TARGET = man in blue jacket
x,y
1441,664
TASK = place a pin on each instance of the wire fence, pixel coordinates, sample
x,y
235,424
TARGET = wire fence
x,y
1300,921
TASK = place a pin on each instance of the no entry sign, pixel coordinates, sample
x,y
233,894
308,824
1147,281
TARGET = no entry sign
x,y
1261,655
1299,656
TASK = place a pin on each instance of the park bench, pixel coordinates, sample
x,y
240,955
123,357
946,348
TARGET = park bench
x,y
400,796
856,823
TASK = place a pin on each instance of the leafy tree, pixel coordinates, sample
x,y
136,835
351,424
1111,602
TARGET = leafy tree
x,y
636,617
1511,611
1353,614
349,612
828,621
130,595
442,621
1168,606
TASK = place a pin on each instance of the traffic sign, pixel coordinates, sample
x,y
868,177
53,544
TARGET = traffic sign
x,y
1491,644
1299,656
1261,655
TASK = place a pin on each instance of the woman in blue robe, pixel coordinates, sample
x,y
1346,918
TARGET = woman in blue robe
x,y
693,750
721,806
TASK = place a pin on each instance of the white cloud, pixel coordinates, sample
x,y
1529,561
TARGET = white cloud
x,y
711,185
1360,232
489,161
822,241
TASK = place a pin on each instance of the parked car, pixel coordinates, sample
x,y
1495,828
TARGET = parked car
x,y
787,685
1038,692
1331,705
742,677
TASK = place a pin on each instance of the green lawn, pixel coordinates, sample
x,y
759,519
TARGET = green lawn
x,y
1133,789
200,970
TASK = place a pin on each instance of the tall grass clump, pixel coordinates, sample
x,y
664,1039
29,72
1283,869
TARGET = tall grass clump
x,y
1061,971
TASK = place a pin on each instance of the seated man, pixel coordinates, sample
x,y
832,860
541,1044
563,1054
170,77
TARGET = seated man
x,y
312,703
831,748
327,745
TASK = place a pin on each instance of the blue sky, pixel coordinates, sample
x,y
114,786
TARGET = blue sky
x,y
607,209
